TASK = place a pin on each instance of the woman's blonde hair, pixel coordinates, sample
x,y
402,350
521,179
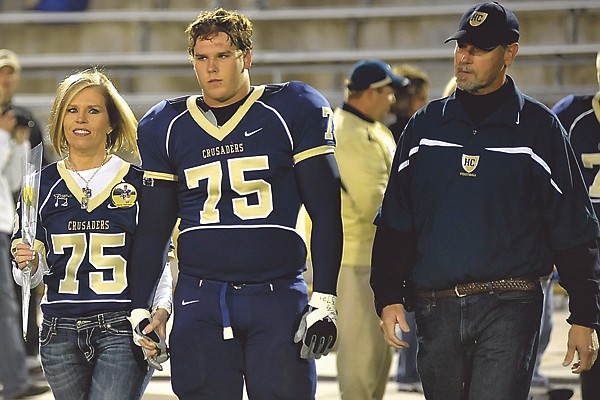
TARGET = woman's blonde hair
x,y
123,137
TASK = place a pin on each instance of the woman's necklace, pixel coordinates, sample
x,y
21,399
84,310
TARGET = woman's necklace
x,y
87,192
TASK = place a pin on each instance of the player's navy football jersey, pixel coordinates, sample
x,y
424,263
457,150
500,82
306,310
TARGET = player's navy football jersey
x,y
580,116
86,249
237,192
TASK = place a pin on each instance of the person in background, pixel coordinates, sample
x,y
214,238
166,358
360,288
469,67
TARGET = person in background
x,y
484,198
450,87
10,76
87,215
14,373
62,5
364,152
539,380
26,128
235,164
408,98
580,115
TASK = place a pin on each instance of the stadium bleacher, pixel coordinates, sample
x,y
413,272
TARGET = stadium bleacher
x,y
142,45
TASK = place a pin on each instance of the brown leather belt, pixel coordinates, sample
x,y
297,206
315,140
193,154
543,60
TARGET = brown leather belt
x,y
467,289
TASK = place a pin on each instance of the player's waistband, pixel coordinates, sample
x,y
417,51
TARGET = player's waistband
x,y
101,320
242,287
237,288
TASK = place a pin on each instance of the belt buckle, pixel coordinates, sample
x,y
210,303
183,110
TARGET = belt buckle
x,y
458,294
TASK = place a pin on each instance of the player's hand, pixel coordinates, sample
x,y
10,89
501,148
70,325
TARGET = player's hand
x,y
158,325
393,320
159,322
153,345
584,341
318,328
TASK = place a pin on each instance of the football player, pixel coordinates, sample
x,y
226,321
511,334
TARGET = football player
x,y
234,164
580,116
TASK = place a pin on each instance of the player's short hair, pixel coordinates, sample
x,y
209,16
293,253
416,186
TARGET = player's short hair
x,y
122,138
237,27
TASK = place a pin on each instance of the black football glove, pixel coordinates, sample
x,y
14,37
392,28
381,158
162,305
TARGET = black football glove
x,y
318,328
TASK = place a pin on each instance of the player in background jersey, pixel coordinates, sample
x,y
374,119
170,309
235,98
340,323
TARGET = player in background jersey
x,y
235,163
580,115
86,219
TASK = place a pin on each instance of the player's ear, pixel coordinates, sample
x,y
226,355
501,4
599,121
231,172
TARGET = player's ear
x,y
247,58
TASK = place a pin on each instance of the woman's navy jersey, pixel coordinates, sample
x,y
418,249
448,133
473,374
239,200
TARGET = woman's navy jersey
x,y
237,192
86,250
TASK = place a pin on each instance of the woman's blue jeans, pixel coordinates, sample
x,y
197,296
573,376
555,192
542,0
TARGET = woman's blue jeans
x,y
92,358
480,346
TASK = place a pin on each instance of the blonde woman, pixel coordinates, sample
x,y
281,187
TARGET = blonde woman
x,y
86,218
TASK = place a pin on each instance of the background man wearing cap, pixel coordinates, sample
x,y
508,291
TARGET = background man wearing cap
x,y
484,197
365,148
10,75
14,375
25,129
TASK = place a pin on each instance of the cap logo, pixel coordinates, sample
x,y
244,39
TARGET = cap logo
x,y
477,18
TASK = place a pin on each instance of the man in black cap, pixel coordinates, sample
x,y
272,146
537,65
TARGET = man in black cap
x,y
364,152
484,197
15,379
10,75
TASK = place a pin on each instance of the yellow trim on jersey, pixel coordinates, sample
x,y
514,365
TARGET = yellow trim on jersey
x,y
315,151
221,133
596,105
161,176
77,192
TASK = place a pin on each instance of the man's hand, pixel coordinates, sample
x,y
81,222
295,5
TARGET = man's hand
x,y
317,329
153,345
393,317
584,341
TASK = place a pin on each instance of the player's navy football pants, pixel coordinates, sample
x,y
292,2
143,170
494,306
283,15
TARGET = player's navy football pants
x,y
261,354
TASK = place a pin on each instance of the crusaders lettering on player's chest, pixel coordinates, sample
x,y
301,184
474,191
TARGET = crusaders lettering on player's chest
x,y
469,164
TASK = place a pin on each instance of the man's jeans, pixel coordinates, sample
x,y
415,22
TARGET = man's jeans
x,y
92,358
13,371
480,346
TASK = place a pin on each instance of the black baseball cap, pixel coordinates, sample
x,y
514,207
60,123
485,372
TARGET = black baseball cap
x,y
487,26
374,74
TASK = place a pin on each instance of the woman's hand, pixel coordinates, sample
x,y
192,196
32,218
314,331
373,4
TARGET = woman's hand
x,y
24,255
